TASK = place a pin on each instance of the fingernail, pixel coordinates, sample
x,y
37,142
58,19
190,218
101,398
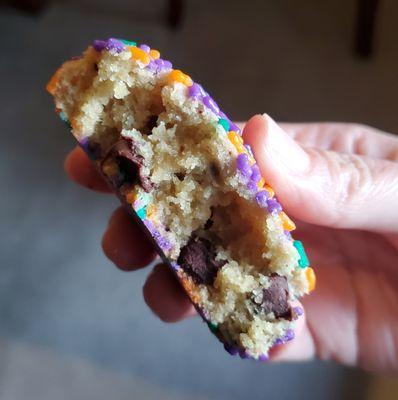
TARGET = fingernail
x,y
283,149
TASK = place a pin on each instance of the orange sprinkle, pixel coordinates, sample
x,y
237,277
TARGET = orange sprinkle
x,y
237,141
178,76
311,278
150,211
139,55
270,191
261,183
154,54
288,224
131,197
52,84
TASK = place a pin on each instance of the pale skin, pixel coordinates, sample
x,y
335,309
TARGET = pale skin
x,y
341,182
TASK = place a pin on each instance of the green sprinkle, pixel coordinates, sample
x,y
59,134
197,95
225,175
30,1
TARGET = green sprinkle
x,y
224,123
64,119
141,213
303,261
212,327
128,42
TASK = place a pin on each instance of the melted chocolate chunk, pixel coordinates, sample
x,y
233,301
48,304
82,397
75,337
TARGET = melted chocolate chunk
x,y
275,298
150,123
198,259
130,164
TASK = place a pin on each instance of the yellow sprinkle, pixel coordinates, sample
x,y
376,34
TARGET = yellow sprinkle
x,y
154,54
288,224
270,191
150,211
178,76
139,55
311,278
261,183
237,141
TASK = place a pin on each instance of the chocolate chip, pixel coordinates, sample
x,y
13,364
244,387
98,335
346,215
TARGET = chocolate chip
x,y
275,298
209,223
198,259
180,176
130,164
150,123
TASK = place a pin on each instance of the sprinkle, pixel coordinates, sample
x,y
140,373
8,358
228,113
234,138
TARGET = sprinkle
x,y
231,349
154,54
212,327
252,186
298,310
270,191
224,123
261,183
175,266
150,211
289,335
128,42
211,104
65,119
115,45
237,141
223,115
278,342
244,354
273,206
243,165
178,76
261,198
303,261
145,47
140,55
311,278
167,64
288,224
196,91
235,127
131,197
263,357
141,213
99,45
288,235
152,66
248,148
256,175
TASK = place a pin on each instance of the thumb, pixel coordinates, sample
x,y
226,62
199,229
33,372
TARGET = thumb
x,y
324,187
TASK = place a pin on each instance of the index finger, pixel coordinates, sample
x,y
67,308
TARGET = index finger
x,y
81,170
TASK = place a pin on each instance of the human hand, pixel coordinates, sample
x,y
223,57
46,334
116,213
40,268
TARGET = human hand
x,y
341,181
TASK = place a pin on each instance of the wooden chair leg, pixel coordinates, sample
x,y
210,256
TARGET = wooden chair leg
x,y
366,22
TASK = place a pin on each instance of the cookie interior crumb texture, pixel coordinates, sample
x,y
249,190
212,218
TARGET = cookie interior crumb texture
x,y
174,161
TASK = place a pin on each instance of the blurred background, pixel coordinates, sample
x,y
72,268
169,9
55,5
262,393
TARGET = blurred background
x,y
71,325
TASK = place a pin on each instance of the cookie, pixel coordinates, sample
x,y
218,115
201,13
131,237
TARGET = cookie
x,y
181,168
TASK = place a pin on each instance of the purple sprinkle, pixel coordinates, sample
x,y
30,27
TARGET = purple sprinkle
x,y
222,115
243,354
234,127
289,335
152,66
288,234
145,47
243,164
273,206
261,198
115,45
263,357
175,266
167,64
252,186
99,45
256,175
162,242
249,149
211,104
298,310
196,91
230,349
278,342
